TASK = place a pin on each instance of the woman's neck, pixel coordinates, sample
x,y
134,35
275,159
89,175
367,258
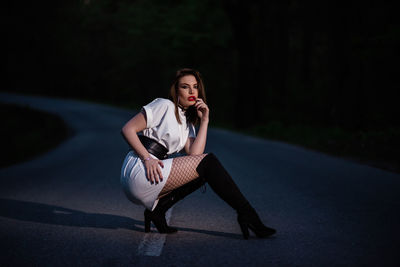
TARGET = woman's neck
x,y
182,107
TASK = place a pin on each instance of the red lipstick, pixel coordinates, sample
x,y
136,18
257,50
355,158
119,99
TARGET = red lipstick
x,y
192,98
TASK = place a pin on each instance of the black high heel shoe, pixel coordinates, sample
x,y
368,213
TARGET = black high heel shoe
x,y
159,221
252,221
157,216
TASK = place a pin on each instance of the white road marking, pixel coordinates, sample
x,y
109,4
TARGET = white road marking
x,y
153,243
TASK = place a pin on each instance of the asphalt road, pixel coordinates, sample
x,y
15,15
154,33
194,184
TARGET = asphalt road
x,y
66,208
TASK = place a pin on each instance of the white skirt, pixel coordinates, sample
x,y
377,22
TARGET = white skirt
x,y
135,184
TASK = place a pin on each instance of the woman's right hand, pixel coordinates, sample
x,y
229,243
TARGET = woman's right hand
x,y
153,171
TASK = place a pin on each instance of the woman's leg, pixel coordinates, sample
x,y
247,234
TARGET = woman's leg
x,y
182,181
223,185
183,171
187,170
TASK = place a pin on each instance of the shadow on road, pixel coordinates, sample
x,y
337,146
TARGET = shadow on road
x,y
50,214
213,233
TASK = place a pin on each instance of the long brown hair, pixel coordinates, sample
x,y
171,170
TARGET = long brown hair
x,y
191,112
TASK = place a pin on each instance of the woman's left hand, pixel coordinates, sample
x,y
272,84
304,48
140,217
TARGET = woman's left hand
x,y
202,109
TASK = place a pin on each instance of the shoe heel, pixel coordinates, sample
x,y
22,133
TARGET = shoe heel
x,y
245,230
147,222
263,233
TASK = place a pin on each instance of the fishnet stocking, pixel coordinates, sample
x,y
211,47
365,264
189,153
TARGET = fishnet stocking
x,y
183,170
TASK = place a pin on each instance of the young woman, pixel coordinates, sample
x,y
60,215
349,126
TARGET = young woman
x,y
150,178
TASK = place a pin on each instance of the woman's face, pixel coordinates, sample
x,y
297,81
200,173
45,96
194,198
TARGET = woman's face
x,y
187,91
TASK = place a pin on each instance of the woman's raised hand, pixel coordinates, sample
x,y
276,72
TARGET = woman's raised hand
x,y
202,109
153,171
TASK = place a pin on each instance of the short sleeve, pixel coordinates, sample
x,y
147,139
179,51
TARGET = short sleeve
x,y
192,131
155,111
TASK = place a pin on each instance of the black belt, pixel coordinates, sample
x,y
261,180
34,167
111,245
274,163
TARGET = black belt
x,y
153,147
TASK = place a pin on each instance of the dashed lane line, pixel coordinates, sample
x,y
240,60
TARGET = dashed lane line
x,y
153,243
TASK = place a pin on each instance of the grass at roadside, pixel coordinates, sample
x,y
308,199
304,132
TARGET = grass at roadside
x,y
27,133
378,148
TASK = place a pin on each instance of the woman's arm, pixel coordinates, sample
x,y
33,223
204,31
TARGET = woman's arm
x,y
196,146
129,132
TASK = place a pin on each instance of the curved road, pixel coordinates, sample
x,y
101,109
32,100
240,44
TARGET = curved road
x,y
66,208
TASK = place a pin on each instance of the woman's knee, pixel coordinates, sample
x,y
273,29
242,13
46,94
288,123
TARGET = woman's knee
x,y
208,163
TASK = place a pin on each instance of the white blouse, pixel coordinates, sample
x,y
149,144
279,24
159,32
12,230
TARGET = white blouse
x,y
163,127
